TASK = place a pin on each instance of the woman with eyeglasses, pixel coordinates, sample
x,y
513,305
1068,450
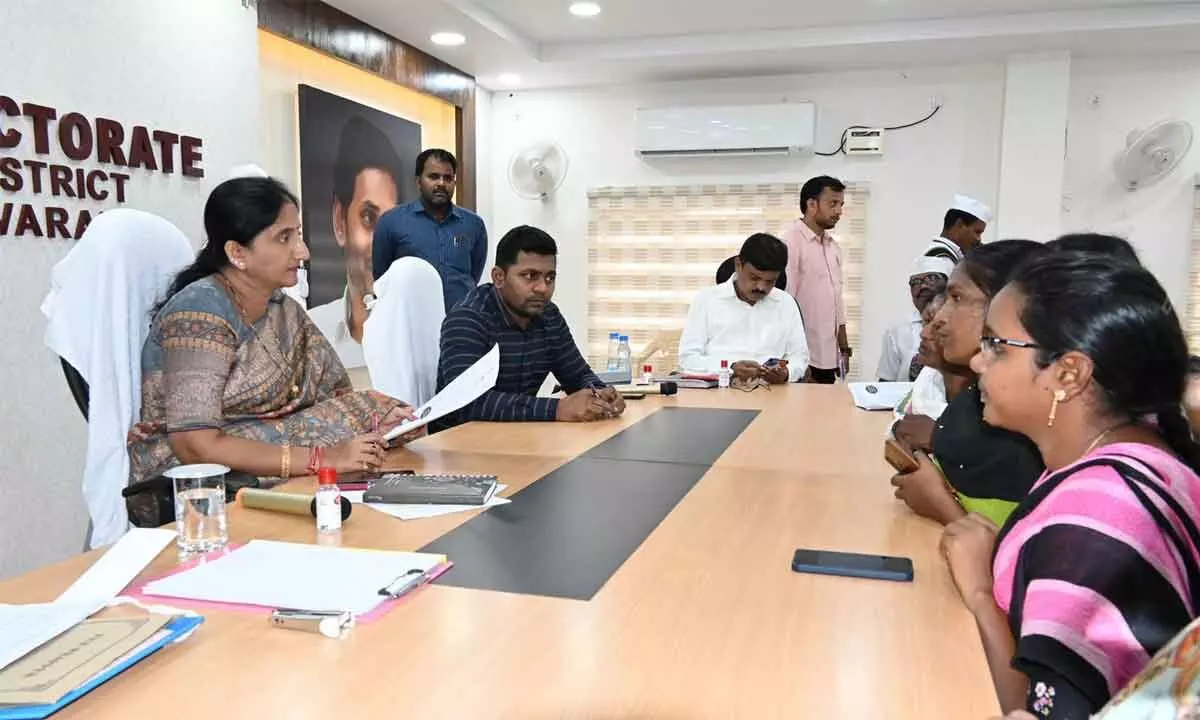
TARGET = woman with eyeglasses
x,y
983,469
1099,566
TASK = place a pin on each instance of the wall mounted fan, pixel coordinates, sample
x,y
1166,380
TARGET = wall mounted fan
x,y
537,170
1151,154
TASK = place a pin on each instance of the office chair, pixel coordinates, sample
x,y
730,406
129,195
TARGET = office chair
x,y
725,271
166,505
78,386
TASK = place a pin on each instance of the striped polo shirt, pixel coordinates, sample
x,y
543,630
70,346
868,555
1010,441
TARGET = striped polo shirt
x,y
527,357
1091,585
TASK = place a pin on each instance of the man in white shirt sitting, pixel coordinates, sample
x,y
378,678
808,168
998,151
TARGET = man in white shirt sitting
x,y
898,360
747,321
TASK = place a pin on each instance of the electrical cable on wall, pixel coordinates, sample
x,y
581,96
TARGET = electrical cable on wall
x,y
842,146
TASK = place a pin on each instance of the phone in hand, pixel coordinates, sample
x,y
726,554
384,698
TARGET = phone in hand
x,y
773,362
899,457
872,567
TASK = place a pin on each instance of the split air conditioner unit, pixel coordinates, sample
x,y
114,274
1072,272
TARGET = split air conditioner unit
x,y
713,131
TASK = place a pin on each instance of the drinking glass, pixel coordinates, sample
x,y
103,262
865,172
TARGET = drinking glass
x,y
199,507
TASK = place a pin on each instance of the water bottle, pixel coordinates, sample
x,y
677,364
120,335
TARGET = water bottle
x,y
329,502
624,356
723,375
614,345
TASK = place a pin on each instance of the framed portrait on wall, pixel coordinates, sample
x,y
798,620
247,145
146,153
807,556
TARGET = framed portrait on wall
x,y
356,163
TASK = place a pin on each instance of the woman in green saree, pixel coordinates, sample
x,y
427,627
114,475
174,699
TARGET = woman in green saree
x,y
235,373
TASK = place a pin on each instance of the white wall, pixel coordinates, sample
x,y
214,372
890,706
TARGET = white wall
x,y
178,65
911,186
1037,92
1109,98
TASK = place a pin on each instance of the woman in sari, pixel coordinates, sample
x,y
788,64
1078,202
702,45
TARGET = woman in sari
x,y
235,373
979,468
1099,566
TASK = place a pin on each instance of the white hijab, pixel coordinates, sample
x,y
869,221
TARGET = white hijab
x,y
401,336
98,313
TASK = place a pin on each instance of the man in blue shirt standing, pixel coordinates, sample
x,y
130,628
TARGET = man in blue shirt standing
x,y
515,311
433,228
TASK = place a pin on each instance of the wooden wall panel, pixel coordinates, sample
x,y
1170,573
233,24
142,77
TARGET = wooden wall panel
x,y
331,31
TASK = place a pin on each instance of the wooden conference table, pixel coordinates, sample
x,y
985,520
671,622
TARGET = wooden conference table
x,y
704,619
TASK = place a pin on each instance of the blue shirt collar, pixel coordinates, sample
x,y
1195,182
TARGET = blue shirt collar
x,y
418,208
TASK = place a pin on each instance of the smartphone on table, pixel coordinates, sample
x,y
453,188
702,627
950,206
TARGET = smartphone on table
x,y
873,567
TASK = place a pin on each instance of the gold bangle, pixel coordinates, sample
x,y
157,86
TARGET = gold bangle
x,y
285,462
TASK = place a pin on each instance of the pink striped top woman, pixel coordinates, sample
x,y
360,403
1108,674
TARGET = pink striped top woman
x,y
1099,566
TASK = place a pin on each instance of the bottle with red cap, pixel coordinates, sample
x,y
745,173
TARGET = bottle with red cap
x,y
329,501
723,375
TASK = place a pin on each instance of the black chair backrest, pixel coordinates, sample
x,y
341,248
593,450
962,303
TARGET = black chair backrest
x,y
79,386
725,271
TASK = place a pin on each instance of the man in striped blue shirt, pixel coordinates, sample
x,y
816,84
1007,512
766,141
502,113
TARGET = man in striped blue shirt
x,y
515,311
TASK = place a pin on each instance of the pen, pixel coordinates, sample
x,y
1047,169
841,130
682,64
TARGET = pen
x,y
375,423
404,584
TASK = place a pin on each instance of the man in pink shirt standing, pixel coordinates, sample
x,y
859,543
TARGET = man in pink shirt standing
x,y
814,276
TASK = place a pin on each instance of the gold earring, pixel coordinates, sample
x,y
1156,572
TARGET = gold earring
x,y
1059,396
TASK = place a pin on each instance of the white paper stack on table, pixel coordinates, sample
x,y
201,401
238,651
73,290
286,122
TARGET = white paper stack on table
x,y
879,395
275,574
26,627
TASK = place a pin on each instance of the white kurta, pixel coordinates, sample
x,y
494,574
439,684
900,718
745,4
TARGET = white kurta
x,y
900,344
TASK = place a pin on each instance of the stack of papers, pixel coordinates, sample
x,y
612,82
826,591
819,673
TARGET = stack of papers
x,y
417,512
51,654
879,395
26,627
274,574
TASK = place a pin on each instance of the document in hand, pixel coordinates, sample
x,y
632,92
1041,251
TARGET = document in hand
x,y
879,395
460,392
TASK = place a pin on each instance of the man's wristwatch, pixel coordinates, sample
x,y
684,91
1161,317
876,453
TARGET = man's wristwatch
x,y
369,300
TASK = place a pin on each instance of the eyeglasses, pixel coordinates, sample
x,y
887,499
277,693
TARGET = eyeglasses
x,y
988,343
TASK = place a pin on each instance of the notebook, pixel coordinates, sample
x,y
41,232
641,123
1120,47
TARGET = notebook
x,y
403,489
177,630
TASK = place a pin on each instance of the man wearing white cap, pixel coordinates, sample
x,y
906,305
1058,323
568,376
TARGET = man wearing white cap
x,y
962,229
897,362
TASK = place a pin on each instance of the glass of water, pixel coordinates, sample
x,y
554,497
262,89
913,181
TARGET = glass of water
x,y
199,507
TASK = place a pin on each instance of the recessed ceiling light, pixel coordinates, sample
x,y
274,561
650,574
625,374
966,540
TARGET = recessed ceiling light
x,y
449,39
509,79
585,9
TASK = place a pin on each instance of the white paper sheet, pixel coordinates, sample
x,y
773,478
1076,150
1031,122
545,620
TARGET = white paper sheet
x,y
879,395
119,565
293,575
416,512
24,628
460,392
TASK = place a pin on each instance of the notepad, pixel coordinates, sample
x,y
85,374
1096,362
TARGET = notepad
x,y
879,395
420,512
274,574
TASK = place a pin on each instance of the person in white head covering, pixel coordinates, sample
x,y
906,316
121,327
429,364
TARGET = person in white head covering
x,y
962,229
898,361
299,291
98,313
402,337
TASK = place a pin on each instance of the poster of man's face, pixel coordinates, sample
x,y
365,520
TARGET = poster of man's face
x,y
356,163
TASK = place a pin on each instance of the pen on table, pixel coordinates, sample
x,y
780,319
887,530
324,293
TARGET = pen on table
x,y
404,584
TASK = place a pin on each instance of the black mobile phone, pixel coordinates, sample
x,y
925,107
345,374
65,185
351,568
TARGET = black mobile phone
x,y
874,567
